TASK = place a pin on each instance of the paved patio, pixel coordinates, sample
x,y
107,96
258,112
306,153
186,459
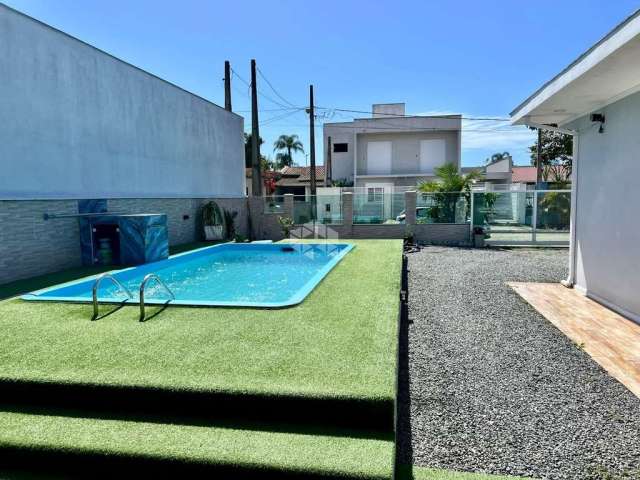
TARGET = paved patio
x,y
489,385
610,339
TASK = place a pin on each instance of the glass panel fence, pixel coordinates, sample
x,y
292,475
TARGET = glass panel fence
x,y
553,216
511,216
442,207
376,207
505,216
274,204
324,209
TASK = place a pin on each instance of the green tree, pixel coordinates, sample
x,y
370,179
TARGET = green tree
x,y
286,146
446,191
556,155
247,149
267,164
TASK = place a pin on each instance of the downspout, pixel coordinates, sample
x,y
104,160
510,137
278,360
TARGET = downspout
x,y
575,164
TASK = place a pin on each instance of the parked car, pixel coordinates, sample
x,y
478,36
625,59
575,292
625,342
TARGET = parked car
x,y
421,212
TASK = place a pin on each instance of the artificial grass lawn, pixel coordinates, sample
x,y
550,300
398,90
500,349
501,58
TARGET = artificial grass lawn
x,y
243,449
339,343
407,472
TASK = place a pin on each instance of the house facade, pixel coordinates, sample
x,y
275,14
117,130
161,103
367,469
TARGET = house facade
x,y
504,174
391,149
297,181
596,99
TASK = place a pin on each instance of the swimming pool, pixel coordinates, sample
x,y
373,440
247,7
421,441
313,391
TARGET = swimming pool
x,y
230,274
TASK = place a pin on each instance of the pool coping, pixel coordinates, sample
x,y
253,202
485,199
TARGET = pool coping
x,y
295,299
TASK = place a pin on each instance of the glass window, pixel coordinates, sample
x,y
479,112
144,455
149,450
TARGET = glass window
x,y
340,147
375,194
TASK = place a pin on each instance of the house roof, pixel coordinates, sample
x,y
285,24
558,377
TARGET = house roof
x,y
248,173
299,176
524,175
607,72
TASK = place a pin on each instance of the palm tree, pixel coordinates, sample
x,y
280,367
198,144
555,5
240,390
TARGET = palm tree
x,y
287,145
446,190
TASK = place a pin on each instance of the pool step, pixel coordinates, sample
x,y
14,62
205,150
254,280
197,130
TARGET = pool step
x,y
78,447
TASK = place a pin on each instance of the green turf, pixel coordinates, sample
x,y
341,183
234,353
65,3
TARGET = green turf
x,y
244,449
407,472
339,343
19,287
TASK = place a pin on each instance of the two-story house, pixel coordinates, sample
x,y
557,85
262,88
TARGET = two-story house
x,y
391,149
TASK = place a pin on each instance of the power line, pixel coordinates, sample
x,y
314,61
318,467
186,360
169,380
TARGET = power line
x,y
262,94
274,90
280,117
270,110
450,116
503,129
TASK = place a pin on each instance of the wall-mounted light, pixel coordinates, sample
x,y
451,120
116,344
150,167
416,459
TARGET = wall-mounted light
x,y
598,117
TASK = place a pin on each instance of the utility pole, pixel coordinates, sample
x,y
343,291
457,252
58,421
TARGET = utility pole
x,y
256,174
227,85
327,166
538,159
312,143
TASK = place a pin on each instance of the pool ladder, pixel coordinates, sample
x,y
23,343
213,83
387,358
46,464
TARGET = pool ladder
x,y
143,285
96,285
125,290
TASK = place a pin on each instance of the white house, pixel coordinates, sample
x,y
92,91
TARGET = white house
x,y
391,149
597,100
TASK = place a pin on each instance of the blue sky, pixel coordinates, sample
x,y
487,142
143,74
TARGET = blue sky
x,y
478,58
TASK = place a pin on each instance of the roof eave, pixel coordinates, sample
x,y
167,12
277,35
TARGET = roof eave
x,y
618,37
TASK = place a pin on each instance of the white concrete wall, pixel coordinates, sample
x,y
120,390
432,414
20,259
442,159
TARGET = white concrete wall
x,y
76,122
608,201
405,151
341,162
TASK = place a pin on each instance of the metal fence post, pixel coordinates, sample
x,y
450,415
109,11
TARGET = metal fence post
x,y
534,217
471,213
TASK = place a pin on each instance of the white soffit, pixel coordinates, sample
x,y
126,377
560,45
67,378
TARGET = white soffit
x,y
607,72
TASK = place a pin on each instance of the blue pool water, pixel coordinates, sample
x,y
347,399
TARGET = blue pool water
x,y
249,275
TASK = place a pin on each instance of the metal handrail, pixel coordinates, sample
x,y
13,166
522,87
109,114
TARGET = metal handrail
x,y
96,285
143,285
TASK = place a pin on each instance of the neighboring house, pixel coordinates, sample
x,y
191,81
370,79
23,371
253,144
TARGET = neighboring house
x,y
597,100
524,176
390,149
297,180
503,173
269,179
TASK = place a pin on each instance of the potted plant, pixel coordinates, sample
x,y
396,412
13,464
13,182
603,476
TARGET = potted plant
x,y
212,221
478,237
286,224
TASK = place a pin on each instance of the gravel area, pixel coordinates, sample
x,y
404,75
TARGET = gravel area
x,y
489,385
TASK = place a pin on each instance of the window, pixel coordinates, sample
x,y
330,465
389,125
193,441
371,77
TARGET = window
x,y
378,158
340,147
433,153
375,194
